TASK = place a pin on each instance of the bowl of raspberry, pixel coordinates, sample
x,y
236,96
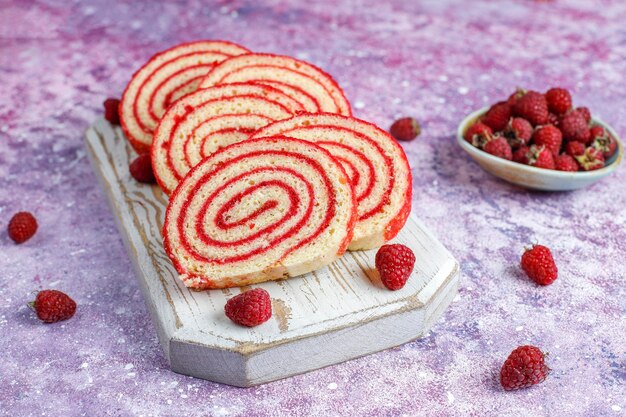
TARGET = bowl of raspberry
x,y
541,141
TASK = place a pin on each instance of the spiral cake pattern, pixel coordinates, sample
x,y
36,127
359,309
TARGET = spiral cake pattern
x,y
258,210
315,89
376,165
205,121
167,76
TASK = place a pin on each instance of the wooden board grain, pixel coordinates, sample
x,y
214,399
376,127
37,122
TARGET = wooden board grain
x,y
325,317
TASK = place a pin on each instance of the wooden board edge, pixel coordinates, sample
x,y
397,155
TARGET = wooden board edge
x,y
163,319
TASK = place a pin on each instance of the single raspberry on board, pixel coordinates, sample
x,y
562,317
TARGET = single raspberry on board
x,y
52,306
539,265
141,169
524,367
111,113
395,263
405,129
22,226
249,308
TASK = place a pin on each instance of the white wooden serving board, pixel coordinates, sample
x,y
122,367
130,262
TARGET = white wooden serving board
x,y
326,317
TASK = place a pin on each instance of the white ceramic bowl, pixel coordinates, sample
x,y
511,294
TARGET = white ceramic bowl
x,y
532,177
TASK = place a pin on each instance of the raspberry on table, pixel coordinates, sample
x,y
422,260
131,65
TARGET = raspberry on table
x,y
394,263
111,112
141,169
22,227
524,367
405,129
249,308
52,306
539,265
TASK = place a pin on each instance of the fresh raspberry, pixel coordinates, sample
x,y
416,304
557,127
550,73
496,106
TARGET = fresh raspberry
x,y
524,367
541,157
574,148
394,263
533,107
519,93
499,147
22,226
478,134
539,265
52,306
518,132
574,127
603,141
553,119
141,169
497,117
249,308
585,112
550,137
565,162
521,155
111,113
591,159
405,129
559,100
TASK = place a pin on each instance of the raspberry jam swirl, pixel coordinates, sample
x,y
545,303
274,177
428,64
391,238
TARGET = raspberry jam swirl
x,y
375,163
312,87
205,121
166,77
258,206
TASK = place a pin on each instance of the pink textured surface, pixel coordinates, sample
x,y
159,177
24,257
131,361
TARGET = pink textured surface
x,y
436,60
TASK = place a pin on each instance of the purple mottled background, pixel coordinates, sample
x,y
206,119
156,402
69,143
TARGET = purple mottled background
x,y
437,60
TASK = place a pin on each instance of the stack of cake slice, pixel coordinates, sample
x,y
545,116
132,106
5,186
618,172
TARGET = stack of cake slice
x,y
269,175
166,77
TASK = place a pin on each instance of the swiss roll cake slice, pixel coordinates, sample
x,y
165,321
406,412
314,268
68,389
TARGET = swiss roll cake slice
x,y
315,89
259,210
206,120
167,76
376,165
